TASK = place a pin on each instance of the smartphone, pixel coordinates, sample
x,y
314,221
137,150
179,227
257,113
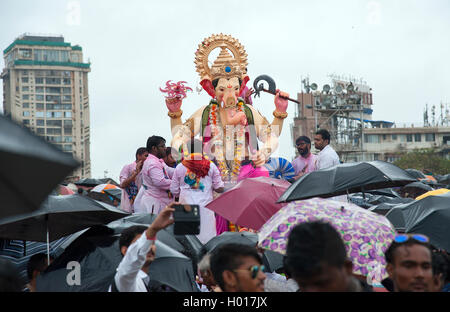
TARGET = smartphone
x,y
186,219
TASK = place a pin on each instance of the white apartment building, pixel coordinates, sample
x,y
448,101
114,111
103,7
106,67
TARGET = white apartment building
x,y
45,87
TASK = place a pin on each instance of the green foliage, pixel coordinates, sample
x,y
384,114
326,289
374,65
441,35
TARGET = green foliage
x,y
424,160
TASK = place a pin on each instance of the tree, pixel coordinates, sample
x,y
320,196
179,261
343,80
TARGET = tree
x,y
424,160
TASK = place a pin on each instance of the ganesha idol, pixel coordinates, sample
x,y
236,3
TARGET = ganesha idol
x,y
228,127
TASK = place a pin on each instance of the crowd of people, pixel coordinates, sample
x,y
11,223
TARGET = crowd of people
x,y
315,259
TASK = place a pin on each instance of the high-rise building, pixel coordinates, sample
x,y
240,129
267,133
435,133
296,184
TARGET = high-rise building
x,y
45,87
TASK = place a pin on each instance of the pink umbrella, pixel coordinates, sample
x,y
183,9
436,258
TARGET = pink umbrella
x,y
64,190
251,202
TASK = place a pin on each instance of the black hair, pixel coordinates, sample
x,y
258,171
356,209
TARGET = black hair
x,y
129,234
440,264
311,245
194,146
304,139
390,252
325,135
154,140
10,279
216,81
140,151
37,262
229,257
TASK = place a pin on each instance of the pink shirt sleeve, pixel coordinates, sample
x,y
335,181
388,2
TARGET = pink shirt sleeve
x,y
216,177
156,175
124,173
175,185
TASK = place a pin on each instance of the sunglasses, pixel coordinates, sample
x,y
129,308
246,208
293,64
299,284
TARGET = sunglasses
x,y
254,270
402,238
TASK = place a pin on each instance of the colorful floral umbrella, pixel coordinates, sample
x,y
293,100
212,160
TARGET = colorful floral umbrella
x,y
366,235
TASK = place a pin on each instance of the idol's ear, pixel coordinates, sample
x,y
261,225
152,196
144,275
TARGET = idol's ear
x,y
208,87
245,79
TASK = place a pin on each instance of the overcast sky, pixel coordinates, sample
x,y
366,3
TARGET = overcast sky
x,y
400,48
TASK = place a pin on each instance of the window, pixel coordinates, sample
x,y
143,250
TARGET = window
x,y
25,53
40,114
58,114
56,131
384,139
67,130
417,137
67,123
25,89
371,138
66,90
68,139
39,80
402,137
66,73
26,105
26,114
66,81
40,131
49,114
67,147
67,98
25,97
54,123
53,98
67,114
39,89
67,106
39,97
53,90
25,79
26,122
409,138
64,56
53,80
429,137
39,122
39,105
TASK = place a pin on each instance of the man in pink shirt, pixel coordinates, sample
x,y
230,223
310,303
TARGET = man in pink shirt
x,y
131,180
305,162
156,178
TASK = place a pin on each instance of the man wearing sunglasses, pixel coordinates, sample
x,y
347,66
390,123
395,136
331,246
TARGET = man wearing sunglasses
x,y
305,162
237,268
409,263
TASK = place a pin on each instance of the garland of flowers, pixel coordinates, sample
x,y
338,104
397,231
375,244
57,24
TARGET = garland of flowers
x,y
239,143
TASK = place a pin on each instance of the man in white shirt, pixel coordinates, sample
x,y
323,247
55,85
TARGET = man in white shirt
x,y
327,157
137,244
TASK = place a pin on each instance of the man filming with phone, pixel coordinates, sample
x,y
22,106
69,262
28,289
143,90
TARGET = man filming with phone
x,y
137,245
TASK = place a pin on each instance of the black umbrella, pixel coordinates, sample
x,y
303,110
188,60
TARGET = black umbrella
x,y
89,182
98,256
115,193
396,217
379,199
58,216
416,173
31,168
386,192
245,238
166,235
346,178
445,179
417,186
173,269
429,216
